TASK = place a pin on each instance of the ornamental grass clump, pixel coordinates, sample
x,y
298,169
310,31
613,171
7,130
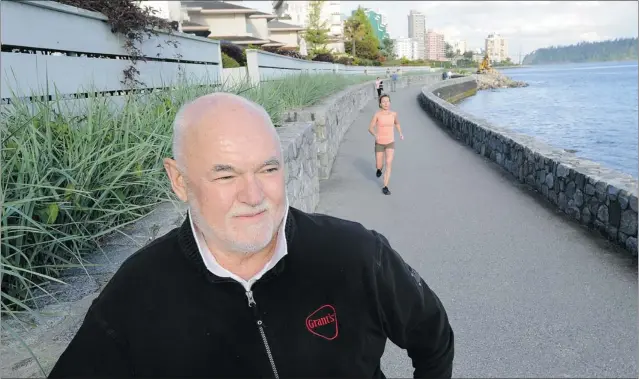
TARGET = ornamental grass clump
x,y
70,177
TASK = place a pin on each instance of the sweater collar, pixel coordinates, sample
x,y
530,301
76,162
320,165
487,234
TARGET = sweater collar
x,y
213,266
189,247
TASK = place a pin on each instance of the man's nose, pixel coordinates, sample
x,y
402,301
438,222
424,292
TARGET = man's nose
x,y
251,192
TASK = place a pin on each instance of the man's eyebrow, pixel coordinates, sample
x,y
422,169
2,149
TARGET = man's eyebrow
x,y
222,168
272,162
228,168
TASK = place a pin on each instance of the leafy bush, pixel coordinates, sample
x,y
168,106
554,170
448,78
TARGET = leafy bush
x,y
228,62
286,52
345,60
326,57
366,62
235,52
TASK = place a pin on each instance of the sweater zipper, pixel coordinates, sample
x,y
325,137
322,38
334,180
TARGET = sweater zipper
x,y
260,326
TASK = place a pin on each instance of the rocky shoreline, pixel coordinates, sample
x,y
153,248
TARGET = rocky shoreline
x,y
495,80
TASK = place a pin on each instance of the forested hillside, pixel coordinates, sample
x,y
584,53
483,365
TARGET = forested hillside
x,y
612,50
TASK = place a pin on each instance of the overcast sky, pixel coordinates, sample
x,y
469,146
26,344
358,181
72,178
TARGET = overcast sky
x,y
528,25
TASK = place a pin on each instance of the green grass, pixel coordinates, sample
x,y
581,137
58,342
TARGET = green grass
x,y
70,180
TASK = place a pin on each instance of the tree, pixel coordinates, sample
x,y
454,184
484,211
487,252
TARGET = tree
x,y
448,49
316,34
468,55
353,32
612,50
360,38
388,50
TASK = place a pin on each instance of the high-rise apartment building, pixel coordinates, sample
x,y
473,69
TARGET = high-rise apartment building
x,y
459,46
378,22
417,31
405,48
296,12
435,46
496,48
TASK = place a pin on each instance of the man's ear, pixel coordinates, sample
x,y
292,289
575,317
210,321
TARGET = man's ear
x,y
176,178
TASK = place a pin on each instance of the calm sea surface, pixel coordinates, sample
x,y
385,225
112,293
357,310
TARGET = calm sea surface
x,y
589,107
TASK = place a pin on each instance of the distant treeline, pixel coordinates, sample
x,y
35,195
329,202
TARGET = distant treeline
x,y
613,50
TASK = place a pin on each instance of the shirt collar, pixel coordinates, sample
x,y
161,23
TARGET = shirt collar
x,y
281,250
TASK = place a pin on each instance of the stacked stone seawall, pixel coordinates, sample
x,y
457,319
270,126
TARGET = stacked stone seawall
x,y
600,198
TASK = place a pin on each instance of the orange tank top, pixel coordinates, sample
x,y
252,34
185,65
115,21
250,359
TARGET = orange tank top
x,y
385,128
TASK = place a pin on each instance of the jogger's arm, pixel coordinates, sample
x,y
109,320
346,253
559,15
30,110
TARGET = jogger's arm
x,y
399,129
372,125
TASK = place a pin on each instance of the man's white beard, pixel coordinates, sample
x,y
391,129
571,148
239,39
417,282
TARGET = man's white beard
x,y
261,234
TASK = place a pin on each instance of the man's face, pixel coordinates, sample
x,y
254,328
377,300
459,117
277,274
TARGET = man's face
x,y
234,180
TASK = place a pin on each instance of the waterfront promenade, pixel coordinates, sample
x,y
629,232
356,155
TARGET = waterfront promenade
x,y
529,293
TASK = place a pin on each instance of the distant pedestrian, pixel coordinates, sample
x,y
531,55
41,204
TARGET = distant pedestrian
x,y
394,78
386,121
379,86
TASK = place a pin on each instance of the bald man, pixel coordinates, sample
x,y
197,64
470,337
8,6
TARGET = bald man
x,y
250,287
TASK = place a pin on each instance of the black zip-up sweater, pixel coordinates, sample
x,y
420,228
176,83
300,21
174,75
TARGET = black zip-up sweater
x,y
325,310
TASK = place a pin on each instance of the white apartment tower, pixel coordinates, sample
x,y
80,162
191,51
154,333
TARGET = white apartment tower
x,y
417,31
496,47
459,46
405,48
296,12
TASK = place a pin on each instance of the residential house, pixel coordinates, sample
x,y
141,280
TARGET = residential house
x,y
229,22
286,33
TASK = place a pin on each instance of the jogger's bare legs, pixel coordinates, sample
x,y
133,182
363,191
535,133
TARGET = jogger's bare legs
x,y
379,159
389,161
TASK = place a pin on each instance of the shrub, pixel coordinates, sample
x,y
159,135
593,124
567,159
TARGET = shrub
x,y
365,62
235,52
228,62
284,51
325,57
345,60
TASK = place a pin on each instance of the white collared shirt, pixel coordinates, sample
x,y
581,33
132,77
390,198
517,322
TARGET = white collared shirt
x,y
281,249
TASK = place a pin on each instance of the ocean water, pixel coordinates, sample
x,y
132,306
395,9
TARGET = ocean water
x,y
590,108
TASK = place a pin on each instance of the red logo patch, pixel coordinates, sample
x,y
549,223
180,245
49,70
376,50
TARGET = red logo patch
x,y
323,322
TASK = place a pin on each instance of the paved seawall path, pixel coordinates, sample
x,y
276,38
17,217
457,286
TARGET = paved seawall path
x,y
529,293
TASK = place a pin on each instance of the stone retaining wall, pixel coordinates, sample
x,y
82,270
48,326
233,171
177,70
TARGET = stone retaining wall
x,y
600,198
455,88
321,128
